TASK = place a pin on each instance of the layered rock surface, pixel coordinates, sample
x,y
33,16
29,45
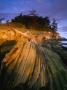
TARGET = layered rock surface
x,y
29,63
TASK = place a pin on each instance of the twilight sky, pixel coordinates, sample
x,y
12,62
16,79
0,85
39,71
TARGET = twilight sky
x,y
53,8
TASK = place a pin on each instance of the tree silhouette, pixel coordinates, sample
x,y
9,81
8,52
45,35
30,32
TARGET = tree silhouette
x,y
46,21
54,25
54,28
32,20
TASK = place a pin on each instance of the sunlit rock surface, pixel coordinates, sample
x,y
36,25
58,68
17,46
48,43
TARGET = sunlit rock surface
x,y
29,63
26,64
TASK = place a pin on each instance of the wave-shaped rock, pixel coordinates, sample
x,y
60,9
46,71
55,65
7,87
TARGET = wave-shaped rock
x,y
25,64
31,65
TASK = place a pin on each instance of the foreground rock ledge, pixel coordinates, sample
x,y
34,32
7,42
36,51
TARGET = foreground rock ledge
x,y
30,64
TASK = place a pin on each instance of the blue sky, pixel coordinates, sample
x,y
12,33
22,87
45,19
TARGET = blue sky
x,y
53,8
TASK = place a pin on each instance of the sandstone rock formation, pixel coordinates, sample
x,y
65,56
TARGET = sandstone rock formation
x,y
30,64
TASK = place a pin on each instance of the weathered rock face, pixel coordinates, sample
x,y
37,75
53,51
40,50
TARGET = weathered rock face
x,y
28,63
25,64
14,34
31,64
9,35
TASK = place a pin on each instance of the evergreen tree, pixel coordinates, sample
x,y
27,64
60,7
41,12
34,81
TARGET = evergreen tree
x,y
54,25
